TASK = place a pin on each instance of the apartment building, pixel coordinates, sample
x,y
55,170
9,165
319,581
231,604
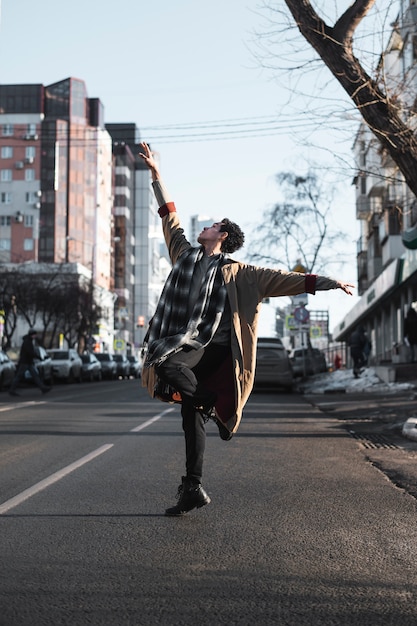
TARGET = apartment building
x,y
140,269
387,212
55,177
74,191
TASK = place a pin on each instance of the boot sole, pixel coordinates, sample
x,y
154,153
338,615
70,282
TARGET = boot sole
x,y
181,513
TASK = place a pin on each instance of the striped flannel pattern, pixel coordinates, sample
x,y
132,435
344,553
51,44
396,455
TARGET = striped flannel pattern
x,y
171,328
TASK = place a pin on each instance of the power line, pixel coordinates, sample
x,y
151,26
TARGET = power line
x,y
213,130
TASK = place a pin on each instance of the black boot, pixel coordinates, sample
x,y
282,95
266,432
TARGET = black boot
x,y
191,495
207,412
224,433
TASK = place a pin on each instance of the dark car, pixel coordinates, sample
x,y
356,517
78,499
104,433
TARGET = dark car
x,y
273,367
135,367
308,361
43,364
91,368
7,370
123,365
108,365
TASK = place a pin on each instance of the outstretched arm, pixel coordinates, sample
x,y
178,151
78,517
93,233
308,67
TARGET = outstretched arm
x,y
147,156
346,287
322,283
173,233
162,196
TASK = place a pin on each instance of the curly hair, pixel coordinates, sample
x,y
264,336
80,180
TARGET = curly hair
x,y
235,237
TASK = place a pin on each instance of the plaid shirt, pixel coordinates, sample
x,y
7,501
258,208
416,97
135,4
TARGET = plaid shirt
x,y
171,326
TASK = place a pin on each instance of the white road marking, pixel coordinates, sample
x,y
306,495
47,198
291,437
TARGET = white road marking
x,y
151,421
19,405
53,478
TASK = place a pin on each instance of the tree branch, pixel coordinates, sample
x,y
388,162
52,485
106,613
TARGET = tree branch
x,y
347,23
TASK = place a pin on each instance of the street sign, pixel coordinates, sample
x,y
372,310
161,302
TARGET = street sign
x,y
315,332
119,344
301,315
290,322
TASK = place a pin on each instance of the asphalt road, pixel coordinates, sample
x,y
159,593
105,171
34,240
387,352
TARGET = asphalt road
x,y
302,530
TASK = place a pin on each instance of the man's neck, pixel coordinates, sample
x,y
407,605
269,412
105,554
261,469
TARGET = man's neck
x,y
211,251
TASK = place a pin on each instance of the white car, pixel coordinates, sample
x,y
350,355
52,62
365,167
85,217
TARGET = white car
x,y
66,365
7,370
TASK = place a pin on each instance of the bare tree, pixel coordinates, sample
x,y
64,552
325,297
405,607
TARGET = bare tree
x,y
63,303
297,230
378,107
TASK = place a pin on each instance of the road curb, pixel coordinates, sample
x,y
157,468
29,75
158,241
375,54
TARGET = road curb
x,y
410,428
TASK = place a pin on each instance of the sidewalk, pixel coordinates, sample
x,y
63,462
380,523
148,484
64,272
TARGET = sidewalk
x,y
381,416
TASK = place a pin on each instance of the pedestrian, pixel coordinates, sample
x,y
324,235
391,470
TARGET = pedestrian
x,y
410,332
27,362
357,343
202,338
367,349
337,361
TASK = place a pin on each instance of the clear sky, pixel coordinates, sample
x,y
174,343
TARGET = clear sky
x,y
169,65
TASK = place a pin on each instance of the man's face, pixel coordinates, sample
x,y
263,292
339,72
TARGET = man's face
x,y
210,233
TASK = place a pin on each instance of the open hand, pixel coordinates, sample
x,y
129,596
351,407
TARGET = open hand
x,y
347,287
148,157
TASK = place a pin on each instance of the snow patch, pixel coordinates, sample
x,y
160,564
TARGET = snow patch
x,y
344,381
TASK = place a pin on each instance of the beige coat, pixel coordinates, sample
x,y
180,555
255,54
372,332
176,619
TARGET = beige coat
x,y
246,285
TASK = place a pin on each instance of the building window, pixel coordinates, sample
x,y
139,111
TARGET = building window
x,y
6,152
29,175
31,197
29,220
6,176
31,129
5,244
7,130
414,48
28,244
363,184
5,197
30,152
5,220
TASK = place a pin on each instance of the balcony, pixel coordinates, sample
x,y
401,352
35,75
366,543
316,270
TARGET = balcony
x,y
363,207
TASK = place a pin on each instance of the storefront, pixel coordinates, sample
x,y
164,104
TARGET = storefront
x,y
382,309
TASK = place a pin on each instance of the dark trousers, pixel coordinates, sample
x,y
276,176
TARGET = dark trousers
x,y
186,371
358,359
20,373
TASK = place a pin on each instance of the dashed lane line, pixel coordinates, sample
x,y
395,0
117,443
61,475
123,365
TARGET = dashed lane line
x,y
20,405
151,421
56,476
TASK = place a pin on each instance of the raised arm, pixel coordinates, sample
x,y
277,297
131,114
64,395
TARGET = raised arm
x,y
148,157
175,239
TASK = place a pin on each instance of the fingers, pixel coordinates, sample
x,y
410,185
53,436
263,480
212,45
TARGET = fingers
x,y
146,150
347,288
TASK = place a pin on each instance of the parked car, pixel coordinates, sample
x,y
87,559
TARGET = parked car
x,y
7,370
135,368
123,365
43,364
66,365
308,361
91,368
273,367
108,365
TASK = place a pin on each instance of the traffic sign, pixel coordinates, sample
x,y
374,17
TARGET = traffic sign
x,y
301,315
118,344
315,332
290,322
